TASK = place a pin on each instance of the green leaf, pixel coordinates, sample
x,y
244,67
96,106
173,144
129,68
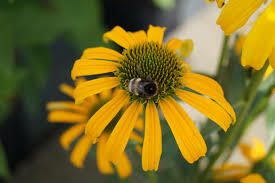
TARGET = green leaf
x,y
4,170
270,120
84,28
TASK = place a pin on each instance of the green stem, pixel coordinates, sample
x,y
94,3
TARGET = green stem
x,y
223,55
270,153
152,177
233,134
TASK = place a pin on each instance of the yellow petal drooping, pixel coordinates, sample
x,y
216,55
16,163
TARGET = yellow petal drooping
x,y
209,87
236,13
155,34
66,117
123,167
253,178
119,36
105,95
188,137
85,67
81,150
71,134
152,144
122,131
66,105
206,106
93,87
103,165
260,40
136,137
101,53
67,90
105,114
139,125
230,172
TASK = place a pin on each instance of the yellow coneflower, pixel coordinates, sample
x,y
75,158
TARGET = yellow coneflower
x,y
259,44
148,75
230,172
69,112
253,178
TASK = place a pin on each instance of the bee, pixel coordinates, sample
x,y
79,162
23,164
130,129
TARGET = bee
x,y
143,87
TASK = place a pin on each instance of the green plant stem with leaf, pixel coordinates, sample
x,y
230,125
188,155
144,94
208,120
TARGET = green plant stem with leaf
x,y
234,133
223,55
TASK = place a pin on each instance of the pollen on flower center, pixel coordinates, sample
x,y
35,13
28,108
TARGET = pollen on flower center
x,y
156,68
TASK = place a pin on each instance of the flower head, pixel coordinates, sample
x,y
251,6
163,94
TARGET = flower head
x,y
149,75
69,112
259,44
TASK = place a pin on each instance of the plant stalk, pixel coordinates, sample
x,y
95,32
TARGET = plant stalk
x,y
223,55
234,133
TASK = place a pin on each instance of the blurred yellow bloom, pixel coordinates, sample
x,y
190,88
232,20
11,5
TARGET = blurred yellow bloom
x,y
259,44
69,112
149,74
253,178
230,172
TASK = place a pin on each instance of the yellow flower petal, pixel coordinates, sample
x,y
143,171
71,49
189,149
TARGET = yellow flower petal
x,y
93,87
208,87
103,165
260,40
101,53
66,89
188,137
122,131
66,117
253,178
208,107
255,152
139,124
155,34
71,134
152,144
105,114
236,13
105,95
136,137
239,44
185,46
81,150
119,36
66,105
139,36
230,172
272,59
124,168
84,67
273,161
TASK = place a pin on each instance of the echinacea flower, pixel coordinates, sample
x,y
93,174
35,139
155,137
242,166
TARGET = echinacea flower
x,y
149,75
253,153
69,112
253,178
259,44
